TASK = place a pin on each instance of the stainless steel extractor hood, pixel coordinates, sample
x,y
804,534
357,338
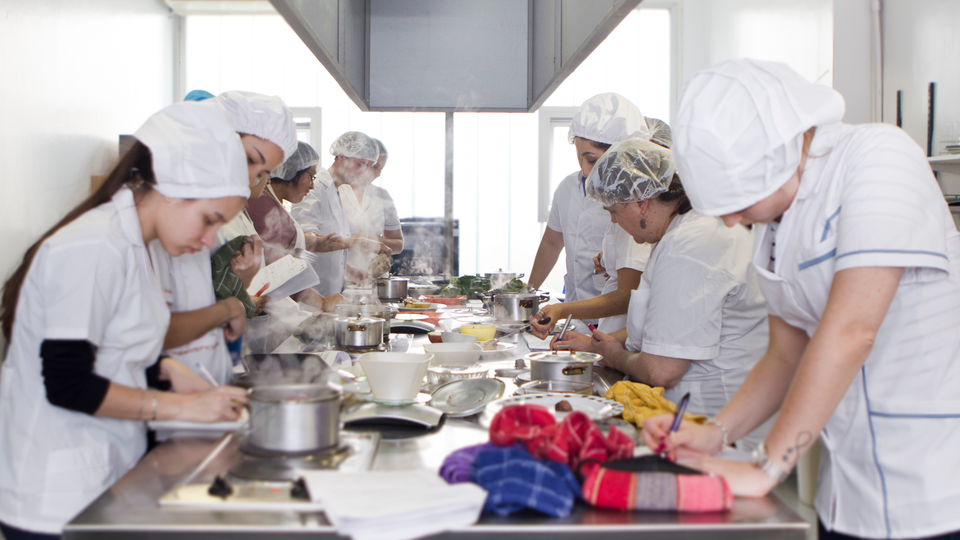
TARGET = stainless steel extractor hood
x,y
452,55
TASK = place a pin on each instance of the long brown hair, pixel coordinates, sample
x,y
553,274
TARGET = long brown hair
x,y
134,165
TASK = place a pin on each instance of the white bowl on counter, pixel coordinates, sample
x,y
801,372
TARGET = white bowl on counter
x,y
453,354
395,377
457,337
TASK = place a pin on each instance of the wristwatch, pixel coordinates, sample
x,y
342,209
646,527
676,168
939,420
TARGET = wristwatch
x,y
761,461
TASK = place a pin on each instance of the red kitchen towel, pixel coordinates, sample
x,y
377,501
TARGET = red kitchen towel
x,y
623,490
572,441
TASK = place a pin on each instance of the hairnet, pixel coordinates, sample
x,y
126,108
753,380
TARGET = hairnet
x,y
739,131
608,118
630,171
195,152
197,95
659,132
381,148
354,144
266,117
304,158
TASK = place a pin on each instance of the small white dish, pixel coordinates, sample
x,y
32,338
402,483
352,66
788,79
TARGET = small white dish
x,y
595,407
395,377
457,337
453,354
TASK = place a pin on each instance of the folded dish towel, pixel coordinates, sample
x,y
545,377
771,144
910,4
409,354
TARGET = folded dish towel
x,y
456,467
641,401
572,441
515,480
624,490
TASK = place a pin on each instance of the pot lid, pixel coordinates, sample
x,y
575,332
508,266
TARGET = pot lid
x,y
293,393
564,357
360,319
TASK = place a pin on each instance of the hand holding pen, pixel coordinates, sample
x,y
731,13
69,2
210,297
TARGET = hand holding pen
x,y
677,419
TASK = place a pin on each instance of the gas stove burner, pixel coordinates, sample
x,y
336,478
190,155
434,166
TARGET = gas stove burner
x,y
360,350
266,466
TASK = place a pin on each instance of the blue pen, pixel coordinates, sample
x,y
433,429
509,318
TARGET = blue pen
x,y
679,416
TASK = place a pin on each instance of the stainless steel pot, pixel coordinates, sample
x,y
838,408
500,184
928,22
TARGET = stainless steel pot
x,y
392,288
377,311
502,277
294,417
417,290
514,307
562,366
359,332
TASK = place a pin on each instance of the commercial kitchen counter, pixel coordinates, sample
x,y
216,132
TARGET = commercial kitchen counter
x,y
130,507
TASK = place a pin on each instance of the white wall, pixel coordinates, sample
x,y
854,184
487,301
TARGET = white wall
x,y
74,74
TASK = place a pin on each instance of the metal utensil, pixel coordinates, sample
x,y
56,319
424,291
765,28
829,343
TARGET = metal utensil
x,y
297,253
564,329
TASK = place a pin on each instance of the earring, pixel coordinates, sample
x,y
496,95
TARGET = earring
x,y
643,223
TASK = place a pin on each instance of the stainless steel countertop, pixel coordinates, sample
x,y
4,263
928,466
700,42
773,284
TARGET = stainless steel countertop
x,y
130,508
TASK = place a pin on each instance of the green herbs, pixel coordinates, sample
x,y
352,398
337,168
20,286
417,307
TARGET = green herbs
x,y
465,285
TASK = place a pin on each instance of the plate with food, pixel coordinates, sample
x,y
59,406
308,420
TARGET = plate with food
x,y
595,407
413,305
491,348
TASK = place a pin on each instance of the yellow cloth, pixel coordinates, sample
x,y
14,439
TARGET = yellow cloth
x,y
641,401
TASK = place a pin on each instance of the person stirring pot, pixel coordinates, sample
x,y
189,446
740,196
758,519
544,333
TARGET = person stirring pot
x,y
859,260
85,317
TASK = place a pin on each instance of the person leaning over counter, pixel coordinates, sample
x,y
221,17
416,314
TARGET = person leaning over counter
x,y
268,134
576,223
859,260
85,317
321,214
697,321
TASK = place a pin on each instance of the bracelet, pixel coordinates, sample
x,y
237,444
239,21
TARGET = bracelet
x,y
143,396
761,461
153,407
723,431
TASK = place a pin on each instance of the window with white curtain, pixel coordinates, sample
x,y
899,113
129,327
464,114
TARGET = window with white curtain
x,y
496,155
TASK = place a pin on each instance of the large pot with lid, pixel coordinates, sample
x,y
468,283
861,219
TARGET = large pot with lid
x,y
514,308
392,288
376,311
294,418
359,332
573,366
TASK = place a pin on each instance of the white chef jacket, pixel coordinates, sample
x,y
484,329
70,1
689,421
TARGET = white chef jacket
x,y
93,281
583,223
699,300
889,466
375,214
321,212
187,282
620,251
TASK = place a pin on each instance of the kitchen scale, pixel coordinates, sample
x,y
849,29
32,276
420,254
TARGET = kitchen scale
x,y
394,422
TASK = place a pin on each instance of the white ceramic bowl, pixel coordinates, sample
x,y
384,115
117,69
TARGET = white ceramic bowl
x,y
457,337
395,377
453,354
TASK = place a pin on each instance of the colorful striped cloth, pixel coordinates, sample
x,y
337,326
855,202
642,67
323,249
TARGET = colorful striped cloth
x,y
624,490
515,480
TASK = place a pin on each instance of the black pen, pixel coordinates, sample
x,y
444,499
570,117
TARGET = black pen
x,y
679,416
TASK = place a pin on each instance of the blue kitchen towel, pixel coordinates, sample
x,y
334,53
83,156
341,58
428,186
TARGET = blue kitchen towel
x,y
516,480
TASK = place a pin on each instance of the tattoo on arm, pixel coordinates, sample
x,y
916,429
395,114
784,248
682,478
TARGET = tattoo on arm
x,y
792,454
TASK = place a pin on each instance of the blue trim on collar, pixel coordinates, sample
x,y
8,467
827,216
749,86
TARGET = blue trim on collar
x,y
826,228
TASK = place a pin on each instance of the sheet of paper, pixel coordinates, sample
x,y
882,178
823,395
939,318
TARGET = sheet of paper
x,y
286,276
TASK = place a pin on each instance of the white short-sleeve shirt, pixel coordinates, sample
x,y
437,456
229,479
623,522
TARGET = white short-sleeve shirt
x,y
92,280
583,223
373,215
699,300
620,251
867,197
321,212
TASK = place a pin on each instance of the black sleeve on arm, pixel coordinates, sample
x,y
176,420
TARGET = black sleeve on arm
x,y
68,375
153,377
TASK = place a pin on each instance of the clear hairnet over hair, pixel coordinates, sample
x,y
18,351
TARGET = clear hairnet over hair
x,y
304,158
739,131
608,118
195,152
630,171
263,116
354,144
659,132
381,148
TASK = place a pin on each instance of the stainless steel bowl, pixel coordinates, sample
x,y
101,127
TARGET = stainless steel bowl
x,y
294,417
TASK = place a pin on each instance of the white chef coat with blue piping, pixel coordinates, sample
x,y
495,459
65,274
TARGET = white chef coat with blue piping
x,y
321,212
620,251
582,222
889,466
93,281
699,300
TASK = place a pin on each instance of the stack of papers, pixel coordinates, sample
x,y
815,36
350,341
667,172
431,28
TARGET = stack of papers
x,y
394,505
283,278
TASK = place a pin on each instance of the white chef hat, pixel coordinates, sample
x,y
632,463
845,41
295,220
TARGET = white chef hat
x,y
739,131
354,144
630,171
264,116
195,152
304,158
608,118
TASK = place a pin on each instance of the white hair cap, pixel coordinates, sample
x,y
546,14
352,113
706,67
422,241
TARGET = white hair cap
x,y
354,144
630,171
608,118
739,131
195,152
304,158
263,116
